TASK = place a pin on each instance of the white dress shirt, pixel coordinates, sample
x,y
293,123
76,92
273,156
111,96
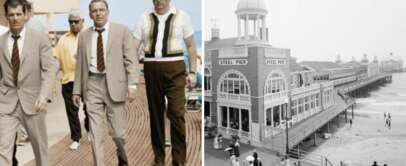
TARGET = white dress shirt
x,y
181,29
20,43
93,52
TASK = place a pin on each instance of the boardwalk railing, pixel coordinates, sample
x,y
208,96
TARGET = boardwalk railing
x,y
310,158
305,128
356,85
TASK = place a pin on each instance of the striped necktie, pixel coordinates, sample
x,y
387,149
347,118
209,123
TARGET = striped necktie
x,y
15,59
100,51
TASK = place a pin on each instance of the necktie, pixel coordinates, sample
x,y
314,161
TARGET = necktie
x,y
100,51
15,59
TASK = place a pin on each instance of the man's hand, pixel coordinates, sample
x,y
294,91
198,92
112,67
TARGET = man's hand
x,y
40,104
131,94
191,80
76,100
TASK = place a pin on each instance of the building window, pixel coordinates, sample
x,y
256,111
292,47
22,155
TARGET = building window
x,y
317,100
207,79
307,103
276,115
301,105
234,83
245,116
224,116
206,109
234,118
284,111
313,100
293,111
269,117
275,83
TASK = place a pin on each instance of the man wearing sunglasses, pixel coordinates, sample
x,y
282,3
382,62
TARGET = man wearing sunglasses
x,y
65,52
163,31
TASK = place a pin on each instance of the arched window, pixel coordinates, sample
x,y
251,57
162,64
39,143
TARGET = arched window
x,y
234,82
275,83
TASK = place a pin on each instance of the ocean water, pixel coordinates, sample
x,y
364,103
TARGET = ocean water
x,y
389,98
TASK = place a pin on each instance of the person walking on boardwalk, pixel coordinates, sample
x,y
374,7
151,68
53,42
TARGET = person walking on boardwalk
x,y
257,161
65,52
350,123
375,163
27,73
163,31
105,77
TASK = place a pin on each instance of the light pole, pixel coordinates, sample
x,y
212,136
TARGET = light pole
x,y
287,117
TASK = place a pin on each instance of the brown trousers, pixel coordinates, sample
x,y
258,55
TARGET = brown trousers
x,y
167,79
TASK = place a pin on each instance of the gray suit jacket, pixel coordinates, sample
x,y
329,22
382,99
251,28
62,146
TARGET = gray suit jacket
x,y
121,62
36,76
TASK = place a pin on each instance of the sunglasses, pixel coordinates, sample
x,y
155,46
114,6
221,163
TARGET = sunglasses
x,y
74,21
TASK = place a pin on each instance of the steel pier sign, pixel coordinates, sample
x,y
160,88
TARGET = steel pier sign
x,y
226,62
275,61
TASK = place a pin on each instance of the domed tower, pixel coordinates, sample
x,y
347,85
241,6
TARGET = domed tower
x,y
365,59
251,16
338,60
375,59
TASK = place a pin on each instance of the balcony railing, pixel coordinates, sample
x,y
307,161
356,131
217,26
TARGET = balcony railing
x,y
273,96
272,131
230,132
235,97
312,87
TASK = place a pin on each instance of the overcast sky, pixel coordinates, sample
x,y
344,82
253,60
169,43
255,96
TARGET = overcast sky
x,y
321,29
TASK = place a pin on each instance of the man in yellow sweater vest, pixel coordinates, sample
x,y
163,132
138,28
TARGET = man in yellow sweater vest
x,y
65,52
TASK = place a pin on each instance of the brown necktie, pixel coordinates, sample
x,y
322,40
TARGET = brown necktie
x,y
100,51
15,59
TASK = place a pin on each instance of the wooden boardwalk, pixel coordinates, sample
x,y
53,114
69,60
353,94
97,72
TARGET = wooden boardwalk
x,y
138,142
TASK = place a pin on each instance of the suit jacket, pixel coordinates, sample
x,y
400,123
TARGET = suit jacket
x,y
121,62
36,77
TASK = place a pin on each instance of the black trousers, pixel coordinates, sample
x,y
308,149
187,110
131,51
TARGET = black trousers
x,y
167,79
73,113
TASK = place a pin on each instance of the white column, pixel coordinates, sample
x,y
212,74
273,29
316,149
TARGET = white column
x,y
228,118
263,28
280,114
255,27
246,27
239,26
272,116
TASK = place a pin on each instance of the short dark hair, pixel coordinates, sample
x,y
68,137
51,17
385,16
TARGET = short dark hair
x,y
94,1
15,3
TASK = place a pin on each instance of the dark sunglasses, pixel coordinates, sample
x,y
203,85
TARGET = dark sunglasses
x,y
74,21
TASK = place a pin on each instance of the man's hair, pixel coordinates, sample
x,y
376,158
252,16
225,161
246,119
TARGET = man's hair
x,y
15,3
153,1
94,1
76,13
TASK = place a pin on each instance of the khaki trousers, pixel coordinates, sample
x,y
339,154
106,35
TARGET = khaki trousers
x,y
36,130
100,108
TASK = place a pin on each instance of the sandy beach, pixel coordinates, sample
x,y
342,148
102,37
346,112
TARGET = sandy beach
x,y
368,139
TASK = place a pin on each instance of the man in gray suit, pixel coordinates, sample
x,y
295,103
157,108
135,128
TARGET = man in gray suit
x,y
106,76
27,74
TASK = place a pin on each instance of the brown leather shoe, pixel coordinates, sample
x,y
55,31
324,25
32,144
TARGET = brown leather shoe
x,y
158,162
177,163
